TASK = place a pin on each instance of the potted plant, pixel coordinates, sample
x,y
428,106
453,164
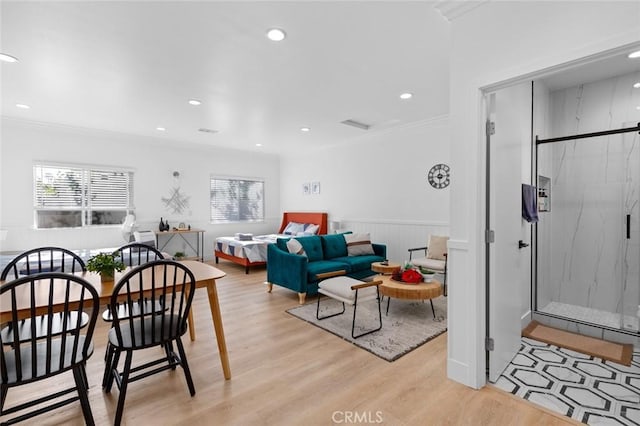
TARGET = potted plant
x,y
179,255
105,264
427,274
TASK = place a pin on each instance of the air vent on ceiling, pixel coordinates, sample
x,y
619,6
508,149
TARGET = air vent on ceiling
x,y
203,130
356,124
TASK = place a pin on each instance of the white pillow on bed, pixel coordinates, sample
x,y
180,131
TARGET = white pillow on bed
x,y
300,229
311,229
293,228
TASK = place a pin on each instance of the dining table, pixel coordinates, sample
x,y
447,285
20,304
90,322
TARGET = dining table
x,y
205,276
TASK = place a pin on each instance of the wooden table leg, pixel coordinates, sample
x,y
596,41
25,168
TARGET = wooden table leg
x,y
192,329
217,324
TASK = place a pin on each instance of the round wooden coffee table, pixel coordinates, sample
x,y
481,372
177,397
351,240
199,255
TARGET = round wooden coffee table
x,y
384,269
400,290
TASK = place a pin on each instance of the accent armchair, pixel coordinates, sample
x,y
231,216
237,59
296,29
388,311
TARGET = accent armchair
x,y
435,256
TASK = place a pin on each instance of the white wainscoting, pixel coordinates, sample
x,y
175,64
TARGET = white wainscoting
x,y
398,236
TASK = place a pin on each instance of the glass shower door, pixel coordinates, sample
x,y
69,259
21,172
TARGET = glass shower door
x,y
589,243
630,318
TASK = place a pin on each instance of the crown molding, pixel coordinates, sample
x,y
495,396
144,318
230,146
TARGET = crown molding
x,y
453,9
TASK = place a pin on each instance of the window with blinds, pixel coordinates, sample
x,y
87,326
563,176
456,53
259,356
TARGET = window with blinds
x,y
76,196
236,200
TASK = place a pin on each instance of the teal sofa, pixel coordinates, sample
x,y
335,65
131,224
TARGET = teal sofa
x,y
325,254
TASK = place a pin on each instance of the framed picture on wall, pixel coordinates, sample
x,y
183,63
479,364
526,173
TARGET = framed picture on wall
x,y
315,188
306,188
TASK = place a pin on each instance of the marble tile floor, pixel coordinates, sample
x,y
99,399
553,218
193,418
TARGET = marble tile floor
x,y
591,315
585,388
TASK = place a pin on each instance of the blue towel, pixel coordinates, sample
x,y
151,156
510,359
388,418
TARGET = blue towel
x,y
529,203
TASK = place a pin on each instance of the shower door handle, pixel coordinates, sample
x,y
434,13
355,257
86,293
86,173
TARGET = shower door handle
x,y
628,227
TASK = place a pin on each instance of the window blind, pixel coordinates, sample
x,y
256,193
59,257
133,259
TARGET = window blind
x,y
236,200
68,196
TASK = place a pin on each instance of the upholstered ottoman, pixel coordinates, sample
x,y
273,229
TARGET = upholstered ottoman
x,y
351,291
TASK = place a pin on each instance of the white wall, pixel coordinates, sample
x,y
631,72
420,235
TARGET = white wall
x,y
496,42
377,184
153,161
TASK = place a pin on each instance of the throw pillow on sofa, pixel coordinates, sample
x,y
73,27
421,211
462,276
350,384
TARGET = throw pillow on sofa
x,y
295,247
358,244
437,247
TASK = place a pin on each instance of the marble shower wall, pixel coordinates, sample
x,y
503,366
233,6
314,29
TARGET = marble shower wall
x,y
584,258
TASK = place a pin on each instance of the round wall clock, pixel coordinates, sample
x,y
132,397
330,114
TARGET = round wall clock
x,y
439,176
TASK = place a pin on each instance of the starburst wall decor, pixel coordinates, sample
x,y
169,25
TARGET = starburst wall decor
x,y
177,202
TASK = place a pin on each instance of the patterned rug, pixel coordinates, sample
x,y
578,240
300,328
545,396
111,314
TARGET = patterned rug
x,y
409,324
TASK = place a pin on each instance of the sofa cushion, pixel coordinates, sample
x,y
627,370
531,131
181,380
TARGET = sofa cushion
x,y
433,264
334,245
312,246
295,247
322,266
359,263
358,244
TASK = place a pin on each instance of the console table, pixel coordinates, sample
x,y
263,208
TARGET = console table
x,y
190,241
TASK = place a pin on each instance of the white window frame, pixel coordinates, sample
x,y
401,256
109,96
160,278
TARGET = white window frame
x,y
212,208
86,207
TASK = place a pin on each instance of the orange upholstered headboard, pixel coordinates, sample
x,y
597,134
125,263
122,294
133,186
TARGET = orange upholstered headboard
x,y
305,217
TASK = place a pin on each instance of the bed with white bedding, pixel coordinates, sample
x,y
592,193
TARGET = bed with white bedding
x,y
249,250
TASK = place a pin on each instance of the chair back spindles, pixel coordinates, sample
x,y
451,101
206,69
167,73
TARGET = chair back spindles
x,y
164,282
43,259
39,299
134,254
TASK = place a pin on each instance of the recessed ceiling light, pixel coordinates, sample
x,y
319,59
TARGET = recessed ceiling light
x,y
305,129
258,144
406,95
194,102
7,58
276,34
637,85
160,129
23,106
638,107
635,54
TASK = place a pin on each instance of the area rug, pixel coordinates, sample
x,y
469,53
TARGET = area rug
x,y
616,352
409,324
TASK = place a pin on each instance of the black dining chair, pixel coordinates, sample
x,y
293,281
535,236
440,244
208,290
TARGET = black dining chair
x,y
134,254
30,360
35,261
164,281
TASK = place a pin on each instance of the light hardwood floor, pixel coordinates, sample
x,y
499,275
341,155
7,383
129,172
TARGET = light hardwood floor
x,y
288,372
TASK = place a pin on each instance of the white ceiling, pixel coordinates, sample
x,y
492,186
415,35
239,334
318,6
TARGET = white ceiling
x,y
589,70
130,67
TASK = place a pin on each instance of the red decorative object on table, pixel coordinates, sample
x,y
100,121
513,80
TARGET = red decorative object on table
x,y
411,276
